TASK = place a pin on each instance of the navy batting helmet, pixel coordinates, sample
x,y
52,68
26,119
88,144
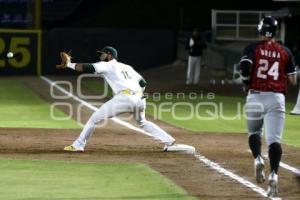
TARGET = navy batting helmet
x,y
110,50
267,26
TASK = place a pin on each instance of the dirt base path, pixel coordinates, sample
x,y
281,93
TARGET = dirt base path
x,y
114,143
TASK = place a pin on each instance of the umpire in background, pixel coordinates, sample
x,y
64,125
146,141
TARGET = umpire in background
x,y
195,46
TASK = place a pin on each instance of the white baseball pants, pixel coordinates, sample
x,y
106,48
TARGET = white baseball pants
x,y
193,71
122,103
268,109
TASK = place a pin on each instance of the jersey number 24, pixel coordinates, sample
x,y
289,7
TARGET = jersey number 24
x,y
264,70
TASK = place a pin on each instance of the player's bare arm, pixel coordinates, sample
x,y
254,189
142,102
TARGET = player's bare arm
x,y
84,67
292,79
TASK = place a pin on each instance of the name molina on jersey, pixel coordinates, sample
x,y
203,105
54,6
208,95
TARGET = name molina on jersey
x,y
270,54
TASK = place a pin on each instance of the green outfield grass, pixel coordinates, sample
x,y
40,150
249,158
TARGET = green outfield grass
x,y
292,126
208,117
21,107
31,180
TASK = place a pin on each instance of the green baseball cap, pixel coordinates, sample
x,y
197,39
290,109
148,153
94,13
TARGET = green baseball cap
x,y
109,50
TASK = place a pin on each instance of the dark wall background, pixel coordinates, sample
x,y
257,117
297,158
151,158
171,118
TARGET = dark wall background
x,y
154,14
142,30
138,48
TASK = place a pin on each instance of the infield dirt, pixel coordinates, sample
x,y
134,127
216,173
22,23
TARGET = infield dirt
x,y
114,143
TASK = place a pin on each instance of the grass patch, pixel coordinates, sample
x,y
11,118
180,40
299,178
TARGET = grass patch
x,y
21,107
34,180
224,119
221,114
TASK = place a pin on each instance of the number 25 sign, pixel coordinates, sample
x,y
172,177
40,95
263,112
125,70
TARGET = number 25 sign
x,y
26,48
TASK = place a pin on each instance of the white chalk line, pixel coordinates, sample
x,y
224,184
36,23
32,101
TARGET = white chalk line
x,y
290,168
283,165
201,158
233,176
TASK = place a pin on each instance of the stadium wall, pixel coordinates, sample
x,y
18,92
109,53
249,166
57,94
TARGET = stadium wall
x,y
36,52
138,48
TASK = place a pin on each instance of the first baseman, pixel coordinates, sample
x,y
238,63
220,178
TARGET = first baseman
x,y
266,68
127,86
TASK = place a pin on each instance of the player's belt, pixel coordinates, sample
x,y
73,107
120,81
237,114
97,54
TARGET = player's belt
x,y
263,92
130,92
254,91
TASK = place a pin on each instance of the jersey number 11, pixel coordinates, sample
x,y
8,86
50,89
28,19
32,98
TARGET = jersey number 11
x,y
125,74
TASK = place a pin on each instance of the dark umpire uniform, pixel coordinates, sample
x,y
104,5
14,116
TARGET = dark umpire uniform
x,y
195,46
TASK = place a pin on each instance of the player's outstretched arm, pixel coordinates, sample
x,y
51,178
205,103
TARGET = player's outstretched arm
x,y
79,67
83,67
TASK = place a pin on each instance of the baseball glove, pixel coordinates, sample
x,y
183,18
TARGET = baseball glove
x,y
65,59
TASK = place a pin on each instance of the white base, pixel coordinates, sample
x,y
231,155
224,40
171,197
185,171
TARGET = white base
x,y
180,148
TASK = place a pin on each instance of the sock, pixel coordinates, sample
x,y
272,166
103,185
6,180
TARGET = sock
x,y
255,145
275,153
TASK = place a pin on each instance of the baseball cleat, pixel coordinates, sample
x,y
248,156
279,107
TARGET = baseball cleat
x,y
259,169
273,185
74,149
180,148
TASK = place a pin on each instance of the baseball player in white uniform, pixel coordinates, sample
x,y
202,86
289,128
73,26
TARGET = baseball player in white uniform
x,y
127,86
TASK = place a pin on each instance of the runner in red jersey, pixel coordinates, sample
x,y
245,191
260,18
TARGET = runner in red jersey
x,y
271,64
266,67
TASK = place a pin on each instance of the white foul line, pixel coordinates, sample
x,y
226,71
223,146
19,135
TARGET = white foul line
x,y
290,168
233,176
201,158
